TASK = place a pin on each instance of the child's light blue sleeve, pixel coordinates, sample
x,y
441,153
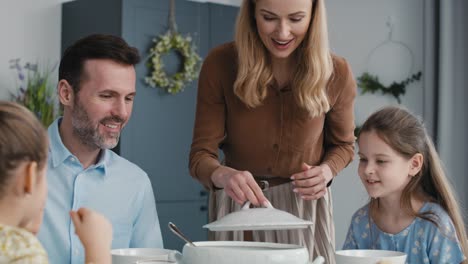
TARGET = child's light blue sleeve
x,y
353,231
445,247
350,242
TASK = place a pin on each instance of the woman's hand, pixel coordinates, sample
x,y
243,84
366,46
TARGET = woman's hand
x,y
239,185
95,233
311,182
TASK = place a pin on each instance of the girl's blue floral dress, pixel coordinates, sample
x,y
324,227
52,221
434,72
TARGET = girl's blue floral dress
x,y
422,241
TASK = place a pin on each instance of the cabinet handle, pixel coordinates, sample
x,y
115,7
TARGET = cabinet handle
x,y
203,208
203,193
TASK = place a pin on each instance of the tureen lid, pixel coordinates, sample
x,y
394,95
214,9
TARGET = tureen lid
x,y
265,218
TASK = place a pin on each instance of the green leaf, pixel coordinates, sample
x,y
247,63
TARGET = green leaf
x,y
371,84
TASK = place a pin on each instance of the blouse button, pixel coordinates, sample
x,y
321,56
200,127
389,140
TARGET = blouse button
x,y
275,146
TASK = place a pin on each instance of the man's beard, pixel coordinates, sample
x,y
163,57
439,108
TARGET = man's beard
x,y
88,133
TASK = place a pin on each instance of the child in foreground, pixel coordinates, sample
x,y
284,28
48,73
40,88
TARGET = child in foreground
x,y
23,192
413,208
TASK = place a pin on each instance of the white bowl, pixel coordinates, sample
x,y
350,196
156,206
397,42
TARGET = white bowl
x,y
244,252
369,256
133,255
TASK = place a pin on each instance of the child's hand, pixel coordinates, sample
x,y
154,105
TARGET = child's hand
x,y
95,233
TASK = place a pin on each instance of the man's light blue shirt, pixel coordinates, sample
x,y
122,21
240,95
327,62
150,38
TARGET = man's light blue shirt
x,y
114,187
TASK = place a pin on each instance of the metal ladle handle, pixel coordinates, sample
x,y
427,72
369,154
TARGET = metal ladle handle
x,y
178,233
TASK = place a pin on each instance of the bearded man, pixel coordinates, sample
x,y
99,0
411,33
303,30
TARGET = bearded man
x,y
96,89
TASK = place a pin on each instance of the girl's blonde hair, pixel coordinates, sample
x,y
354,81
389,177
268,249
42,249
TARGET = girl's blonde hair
x,y
314,66
406,134
22,138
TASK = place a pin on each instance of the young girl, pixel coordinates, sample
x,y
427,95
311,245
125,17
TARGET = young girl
x,y
23,191
413,208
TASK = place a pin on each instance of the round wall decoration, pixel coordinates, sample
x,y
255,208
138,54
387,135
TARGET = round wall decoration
x,y
172,41
370,83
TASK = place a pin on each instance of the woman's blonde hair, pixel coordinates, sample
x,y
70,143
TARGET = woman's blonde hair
x,y
22,138
314,67
406,134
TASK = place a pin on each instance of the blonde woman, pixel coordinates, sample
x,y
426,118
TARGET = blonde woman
x,y
280,107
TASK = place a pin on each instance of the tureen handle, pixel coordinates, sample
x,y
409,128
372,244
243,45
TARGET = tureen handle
x,y
246,205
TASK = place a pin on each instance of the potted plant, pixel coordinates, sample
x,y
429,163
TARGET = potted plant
x,y
35,90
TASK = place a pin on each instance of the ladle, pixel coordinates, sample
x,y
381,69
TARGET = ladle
x,y
176,231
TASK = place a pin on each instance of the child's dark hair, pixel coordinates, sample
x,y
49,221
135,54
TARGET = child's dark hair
x,y
406,134
22,138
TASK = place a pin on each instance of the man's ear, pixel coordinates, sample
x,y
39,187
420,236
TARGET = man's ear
x,y
65,92
30,177
416,163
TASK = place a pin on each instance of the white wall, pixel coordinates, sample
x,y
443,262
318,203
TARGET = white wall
x,y
356,28
31,30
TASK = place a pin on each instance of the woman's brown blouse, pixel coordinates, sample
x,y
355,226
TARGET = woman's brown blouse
x,y
272,139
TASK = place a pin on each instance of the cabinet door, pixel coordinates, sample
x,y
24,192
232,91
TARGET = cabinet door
x,y
159,134
82,17
189,217
222,23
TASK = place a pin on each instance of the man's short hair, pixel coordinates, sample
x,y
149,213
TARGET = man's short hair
x,y
97,46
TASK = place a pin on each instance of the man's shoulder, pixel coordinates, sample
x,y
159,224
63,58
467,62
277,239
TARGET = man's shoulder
x,y
117,162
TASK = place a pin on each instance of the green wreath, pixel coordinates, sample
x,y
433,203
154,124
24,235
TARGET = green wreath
x,y
183,45
370,84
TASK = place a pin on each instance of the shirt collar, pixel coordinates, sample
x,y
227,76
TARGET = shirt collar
x,y
104,159
59,153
